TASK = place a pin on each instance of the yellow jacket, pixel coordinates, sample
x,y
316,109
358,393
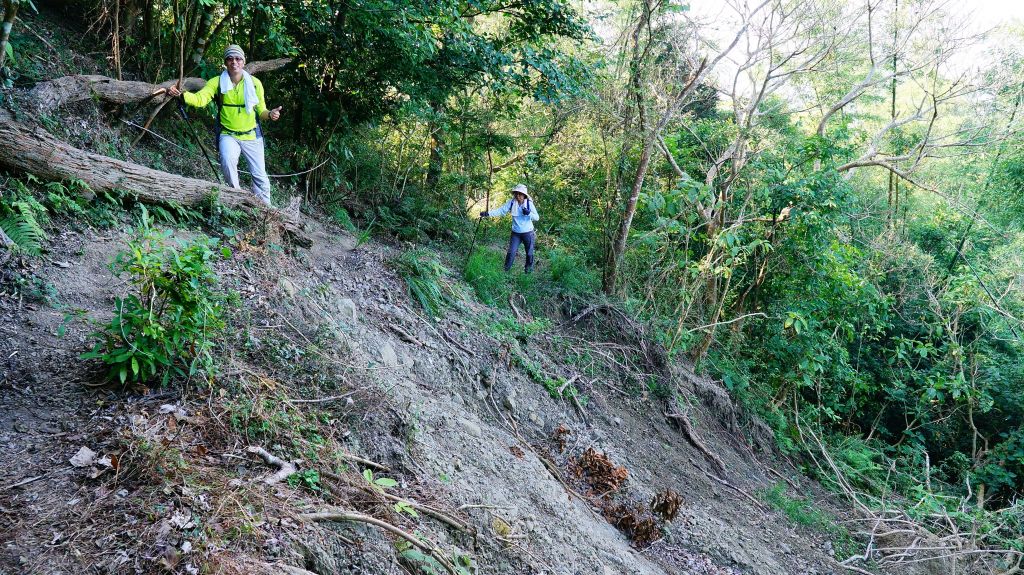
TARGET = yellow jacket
x,y
233,118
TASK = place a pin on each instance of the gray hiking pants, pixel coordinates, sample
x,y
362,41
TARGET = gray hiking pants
x,y
230,149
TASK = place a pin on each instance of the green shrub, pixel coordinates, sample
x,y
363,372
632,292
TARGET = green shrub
x,y
485,273
166,325
570,274
343,219
29,286
424,276
557,274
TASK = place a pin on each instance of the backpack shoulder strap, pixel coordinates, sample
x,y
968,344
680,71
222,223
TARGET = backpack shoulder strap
x,y
219,99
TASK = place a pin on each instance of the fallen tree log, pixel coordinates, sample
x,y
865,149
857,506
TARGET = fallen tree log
x,y
32,149
65,90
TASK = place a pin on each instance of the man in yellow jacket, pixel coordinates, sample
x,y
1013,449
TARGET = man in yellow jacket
x,y
240,106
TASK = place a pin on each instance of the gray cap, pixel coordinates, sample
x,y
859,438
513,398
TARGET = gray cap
x,y
234,50
520,189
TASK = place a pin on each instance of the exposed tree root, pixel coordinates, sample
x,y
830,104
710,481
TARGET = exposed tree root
x,y
695,440
364,461
782,477
520,317
432,512
653,353
456,343
896,538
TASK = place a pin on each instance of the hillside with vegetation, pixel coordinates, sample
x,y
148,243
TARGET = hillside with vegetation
x,y
774,325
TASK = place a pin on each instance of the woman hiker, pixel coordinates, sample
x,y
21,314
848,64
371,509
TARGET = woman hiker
x,y
240,106
524,213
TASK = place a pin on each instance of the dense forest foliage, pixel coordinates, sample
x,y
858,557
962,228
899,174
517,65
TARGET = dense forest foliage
x,y
818,202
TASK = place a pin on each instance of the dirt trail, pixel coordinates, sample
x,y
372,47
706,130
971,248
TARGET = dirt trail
x,y
452,420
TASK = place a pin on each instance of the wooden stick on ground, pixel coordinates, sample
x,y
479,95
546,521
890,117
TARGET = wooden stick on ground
x,y
323,399
404,335
725,483
456,343
422,544
567,383
23,482
285,468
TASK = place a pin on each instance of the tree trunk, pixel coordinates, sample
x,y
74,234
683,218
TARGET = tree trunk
x,y
202,36
70,89
435,164
35,151
115,39
10,11
618,247
254,23
894,184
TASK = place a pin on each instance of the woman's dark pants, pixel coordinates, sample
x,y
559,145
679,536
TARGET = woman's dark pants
x,y
527,239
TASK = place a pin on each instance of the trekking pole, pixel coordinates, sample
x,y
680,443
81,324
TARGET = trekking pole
x,y
487,206
476,228
192,130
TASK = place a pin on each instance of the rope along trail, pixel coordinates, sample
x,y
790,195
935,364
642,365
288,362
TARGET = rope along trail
x,y
187,151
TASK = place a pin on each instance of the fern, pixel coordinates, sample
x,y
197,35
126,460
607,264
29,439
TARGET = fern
x,y
23,228
424,276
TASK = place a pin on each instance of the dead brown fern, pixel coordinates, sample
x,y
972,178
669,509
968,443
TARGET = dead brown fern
x,y
666,504
600,472
642,527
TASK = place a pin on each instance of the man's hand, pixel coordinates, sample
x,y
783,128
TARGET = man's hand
x,y
275,113
483,214
173,92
